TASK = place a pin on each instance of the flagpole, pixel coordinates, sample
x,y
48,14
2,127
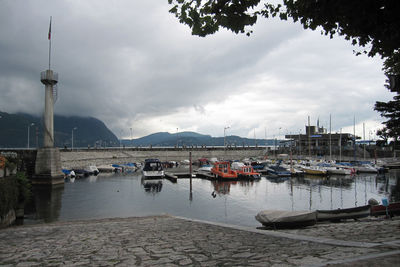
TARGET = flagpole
x,y
49,36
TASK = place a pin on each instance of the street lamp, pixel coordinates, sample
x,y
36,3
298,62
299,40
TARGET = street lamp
x,y
131,137
177,140
300,143
72,137
225,128
29,126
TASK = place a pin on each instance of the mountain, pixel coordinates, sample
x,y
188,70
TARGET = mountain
x,y
164,139
88,131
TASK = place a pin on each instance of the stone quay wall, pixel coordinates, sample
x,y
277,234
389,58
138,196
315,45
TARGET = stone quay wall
x,y
81,158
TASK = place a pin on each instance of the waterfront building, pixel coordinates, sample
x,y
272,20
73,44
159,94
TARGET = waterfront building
x,y
318,141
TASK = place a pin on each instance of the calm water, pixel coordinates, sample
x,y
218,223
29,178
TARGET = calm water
x,y
126,195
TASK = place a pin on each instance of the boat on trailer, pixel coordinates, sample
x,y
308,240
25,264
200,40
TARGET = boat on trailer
x,y
343,214
286,219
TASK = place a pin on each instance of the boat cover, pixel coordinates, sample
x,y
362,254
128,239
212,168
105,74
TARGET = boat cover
x,y
280,216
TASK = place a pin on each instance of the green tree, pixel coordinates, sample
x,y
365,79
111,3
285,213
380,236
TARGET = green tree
x,y
373,26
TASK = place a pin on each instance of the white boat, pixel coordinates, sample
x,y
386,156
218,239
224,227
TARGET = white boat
x,y
92,170
338,170
366,168
153,169
205,169
286,219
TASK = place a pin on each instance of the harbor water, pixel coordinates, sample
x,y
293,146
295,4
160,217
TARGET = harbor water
x,y
111,195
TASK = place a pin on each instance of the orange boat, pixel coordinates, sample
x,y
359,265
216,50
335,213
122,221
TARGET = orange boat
x,y
222,170
247,172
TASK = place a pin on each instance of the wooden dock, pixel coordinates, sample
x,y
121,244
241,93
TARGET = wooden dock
x,y
171,177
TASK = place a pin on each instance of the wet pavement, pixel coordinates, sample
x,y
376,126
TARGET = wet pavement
x,y
174,241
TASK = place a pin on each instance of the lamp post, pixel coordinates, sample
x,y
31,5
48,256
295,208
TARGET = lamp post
x,y
177,144
131,138
279,143
225,128
29,127
300,143
72,137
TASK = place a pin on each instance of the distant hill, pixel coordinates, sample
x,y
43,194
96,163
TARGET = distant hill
x,y
89,131
93,132
164,139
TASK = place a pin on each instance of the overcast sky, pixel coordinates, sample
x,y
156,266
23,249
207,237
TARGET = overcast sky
x,y
132,64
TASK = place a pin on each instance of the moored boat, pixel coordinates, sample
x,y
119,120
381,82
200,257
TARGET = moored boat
x,y
204,165
393,209
153,169
245,171
343,214
222,170
92,170
314,170
339,170
286,219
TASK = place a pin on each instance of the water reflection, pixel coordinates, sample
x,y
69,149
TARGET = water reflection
x,y
235,202
152,186
47,202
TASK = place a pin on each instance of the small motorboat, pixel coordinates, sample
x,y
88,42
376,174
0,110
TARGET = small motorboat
x,y
153,169
343,214
314,170
222,170
286,219
393,209
81,173
204,165
245,171
92,170
68,173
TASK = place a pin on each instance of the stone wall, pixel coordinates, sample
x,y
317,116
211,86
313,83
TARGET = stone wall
x,y
86,157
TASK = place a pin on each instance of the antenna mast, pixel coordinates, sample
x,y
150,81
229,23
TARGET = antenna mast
x,y
49,37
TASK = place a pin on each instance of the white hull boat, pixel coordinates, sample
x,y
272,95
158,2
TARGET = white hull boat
x,y
153,169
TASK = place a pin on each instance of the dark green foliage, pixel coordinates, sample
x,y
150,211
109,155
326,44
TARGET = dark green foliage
x,y
391,111
364,23
205,17
24,188
8,195
14,191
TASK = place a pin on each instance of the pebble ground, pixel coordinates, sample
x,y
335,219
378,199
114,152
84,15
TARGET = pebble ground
x,y
173,241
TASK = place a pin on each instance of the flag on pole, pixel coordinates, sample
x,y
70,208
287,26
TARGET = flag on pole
x,y
49,35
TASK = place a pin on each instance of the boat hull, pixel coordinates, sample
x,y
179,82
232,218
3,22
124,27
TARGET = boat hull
x,y
286,219
343,214
153,174
392,210
314,172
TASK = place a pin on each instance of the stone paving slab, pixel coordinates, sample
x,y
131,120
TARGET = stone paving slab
x,y
172,241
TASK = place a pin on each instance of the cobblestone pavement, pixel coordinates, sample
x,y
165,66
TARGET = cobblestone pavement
x,y
172,241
